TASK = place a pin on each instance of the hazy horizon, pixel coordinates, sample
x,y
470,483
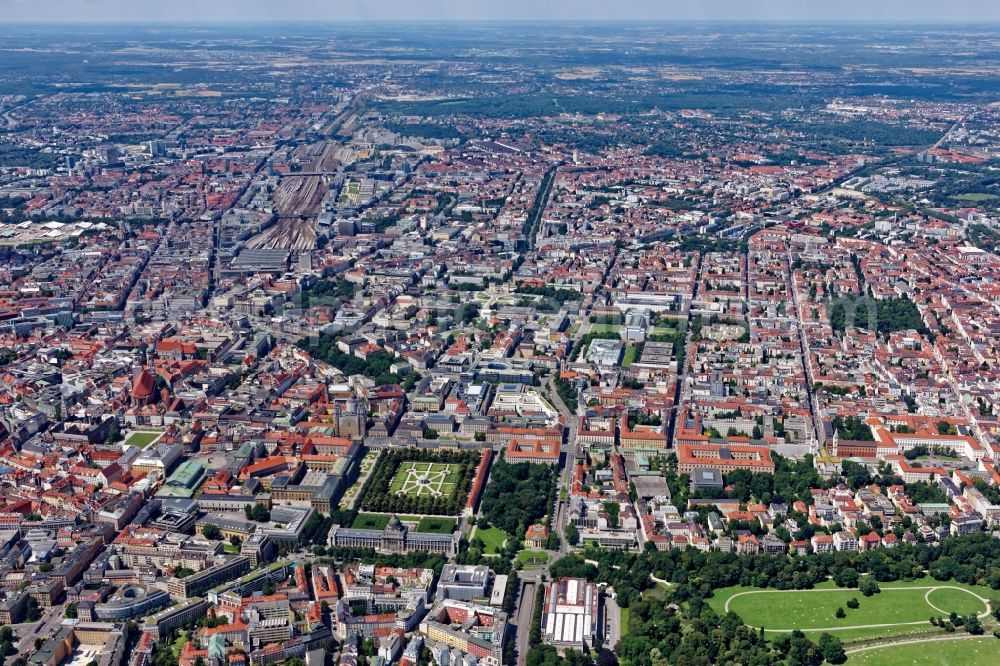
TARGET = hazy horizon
x,y
724,11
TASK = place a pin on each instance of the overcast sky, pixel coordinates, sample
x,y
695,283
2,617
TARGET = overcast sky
x,y
368,10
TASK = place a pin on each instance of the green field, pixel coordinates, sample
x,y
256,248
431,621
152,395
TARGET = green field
x,y
967,652
436,525
416,479
350,191
493,539
629,356
426,524
976,197
370,521
532,558
623,622
143,438
898,608
605,328
178,644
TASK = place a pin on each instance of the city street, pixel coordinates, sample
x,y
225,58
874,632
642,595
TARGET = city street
x,y
522,623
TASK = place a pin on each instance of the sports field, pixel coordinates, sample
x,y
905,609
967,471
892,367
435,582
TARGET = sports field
x,y
980,651
898,609
419,479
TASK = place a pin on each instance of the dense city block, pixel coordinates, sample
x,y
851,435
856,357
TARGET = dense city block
x,y
364,345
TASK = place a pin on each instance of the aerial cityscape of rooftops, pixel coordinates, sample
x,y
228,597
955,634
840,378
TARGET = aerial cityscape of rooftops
x,y
499,344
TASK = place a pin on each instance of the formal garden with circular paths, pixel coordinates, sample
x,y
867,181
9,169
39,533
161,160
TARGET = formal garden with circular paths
x,y
421,482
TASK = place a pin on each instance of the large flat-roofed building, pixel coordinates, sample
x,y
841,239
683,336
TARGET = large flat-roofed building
x,y
605,352
316,489
463,582
723,458
97,642
255,581
162,623
570,613
287,523
167,552
259,548
131,600
184,481
197,583
229,523
263,260
499,592
230,501
656,360
635,326
157,458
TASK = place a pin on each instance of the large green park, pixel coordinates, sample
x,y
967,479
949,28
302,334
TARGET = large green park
x,y
898,608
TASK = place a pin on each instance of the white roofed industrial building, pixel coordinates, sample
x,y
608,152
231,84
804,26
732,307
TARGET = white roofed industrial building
x,y
570,615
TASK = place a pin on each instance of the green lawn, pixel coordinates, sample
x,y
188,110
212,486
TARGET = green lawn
x,y
493,539
436,525
142,438
378,521
970,652
977,197
624,622
178,644
230,548
899,608
629,356
957,600
370,521
605,328
532,558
